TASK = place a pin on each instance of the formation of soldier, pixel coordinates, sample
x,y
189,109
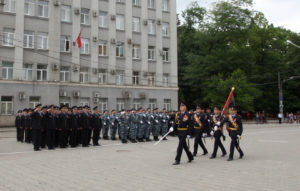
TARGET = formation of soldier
x,y
62,126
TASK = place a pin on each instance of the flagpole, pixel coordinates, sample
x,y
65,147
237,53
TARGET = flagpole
x,y
228,99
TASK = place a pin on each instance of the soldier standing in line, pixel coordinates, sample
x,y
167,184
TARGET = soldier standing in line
x,y
141,125
85,126
105,125
133,121
156,124
96,126
80,126
44,127
74,126
148,125
235,131
18,125
36,117
91,125
124,125
113,124
217,132
57,126
199,129
63,128
50,127
164,119
184,127
26,124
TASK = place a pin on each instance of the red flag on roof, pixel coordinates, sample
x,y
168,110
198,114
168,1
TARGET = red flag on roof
x,y
79,40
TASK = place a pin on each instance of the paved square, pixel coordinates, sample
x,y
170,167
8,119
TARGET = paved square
x,y
272,156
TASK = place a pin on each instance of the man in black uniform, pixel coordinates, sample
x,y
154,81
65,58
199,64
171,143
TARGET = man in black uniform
x,y
85,126
74,126
19,127
235,132
44,127
199,129
96,125
80,125
217,132
63,126
185,124
50,127
36,117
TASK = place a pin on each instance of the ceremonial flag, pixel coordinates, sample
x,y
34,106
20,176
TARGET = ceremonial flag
x,y
229,103
79,40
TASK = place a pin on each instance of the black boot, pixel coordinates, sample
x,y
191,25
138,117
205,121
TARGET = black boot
x,y
230,159
176,163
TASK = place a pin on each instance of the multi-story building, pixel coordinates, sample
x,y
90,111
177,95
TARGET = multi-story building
x,y
128,56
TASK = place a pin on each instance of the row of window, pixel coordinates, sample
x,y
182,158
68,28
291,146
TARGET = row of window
x,y
7,104
65,45
84,75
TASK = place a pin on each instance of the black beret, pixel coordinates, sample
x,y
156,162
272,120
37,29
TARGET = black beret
x,y
96,107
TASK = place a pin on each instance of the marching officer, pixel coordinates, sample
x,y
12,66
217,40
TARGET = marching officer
x,y
96,126
185,123
199,129
235,131
217,132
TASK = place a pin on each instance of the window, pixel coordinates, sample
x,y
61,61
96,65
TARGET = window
x,y
102,77
8,37
43,8
151,27
84,75
102,105
102,48
152,104
9,6
136,51
42,40
136,24
28,39
64,74
103,19
65,13
165,29
120,20
151,79
120,78
167,104
84,19
41,72
85,46
151,53
136,104
165,5
7,70
136,2
165,54
6,104
151,4
120,49
135,78
27,72
165,80
29,7
65,44
34,101
120,104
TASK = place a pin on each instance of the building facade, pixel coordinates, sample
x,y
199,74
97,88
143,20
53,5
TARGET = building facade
x,y
128,54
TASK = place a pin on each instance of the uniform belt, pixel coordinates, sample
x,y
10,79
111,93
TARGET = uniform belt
x,y
182,129
195,127
233,129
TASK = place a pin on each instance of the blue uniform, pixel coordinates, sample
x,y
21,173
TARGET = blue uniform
x,y
141,126
113,126
148,125
156,125
133,121
105,125
164,119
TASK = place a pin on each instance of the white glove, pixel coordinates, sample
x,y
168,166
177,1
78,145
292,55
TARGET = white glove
x,y
160,115
141,122
238,136
208,121
216,128
219,123
113,124
204,135
104,123
211,133
108,118
144,115
171,129
149,122
156,121
117,117
188,136
164,121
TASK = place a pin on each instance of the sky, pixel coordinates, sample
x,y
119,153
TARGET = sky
x,y
284,13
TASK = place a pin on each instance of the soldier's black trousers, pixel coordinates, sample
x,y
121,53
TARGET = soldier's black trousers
x,y
79,136
36,135
198,141
182,145
43,138
73,138
85,137
27,135
234,143
218,143
96,134
62,138
50,138
20,134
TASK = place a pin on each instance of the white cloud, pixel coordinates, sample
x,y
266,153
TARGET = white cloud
x,y
283,13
